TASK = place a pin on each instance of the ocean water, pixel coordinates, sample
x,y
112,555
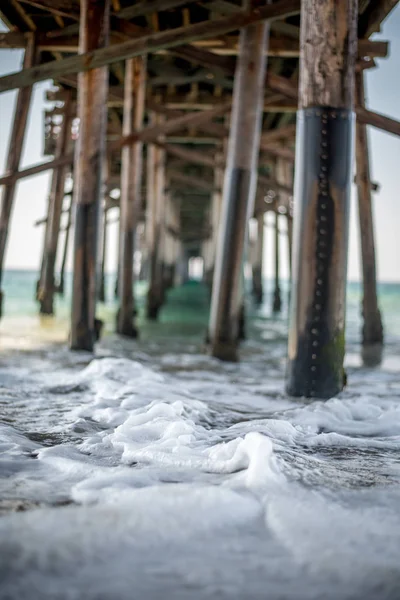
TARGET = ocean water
x,y
153,471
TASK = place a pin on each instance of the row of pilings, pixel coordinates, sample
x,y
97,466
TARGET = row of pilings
x,y
323,176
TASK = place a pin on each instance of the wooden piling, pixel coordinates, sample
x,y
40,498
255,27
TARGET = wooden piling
x,y
47,285
89,156
322,194
284,177
372,331
289,221
61,283
16,142
131,181
277,301
101,286
43,253
169,250
102,278
215,215
239,191
257,266
156,205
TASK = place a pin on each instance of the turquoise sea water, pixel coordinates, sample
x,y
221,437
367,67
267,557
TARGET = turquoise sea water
x,y
150,470
186,307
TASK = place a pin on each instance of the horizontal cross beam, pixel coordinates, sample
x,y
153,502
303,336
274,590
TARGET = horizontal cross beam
x,y
147,43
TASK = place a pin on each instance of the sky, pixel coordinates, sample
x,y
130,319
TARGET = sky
x,y
383,95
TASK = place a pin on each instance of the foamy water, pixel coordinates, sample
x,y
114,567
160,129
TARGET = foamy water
x,y
153,471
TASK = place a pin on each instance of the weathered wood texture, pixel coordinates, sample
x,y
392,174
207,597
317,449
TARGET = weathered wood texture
x,y
371,21
239,192
47,284
372,328
131,182
36,169
67,234
284,175
105,205
257,266
181,121
328,38
20,118
155,219
146,44
147,7
190,180
289,222
277,301
89,157
322,198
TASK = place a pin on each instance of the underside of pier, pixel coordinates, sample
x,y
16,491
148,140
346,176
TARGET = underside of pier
x,y
194,118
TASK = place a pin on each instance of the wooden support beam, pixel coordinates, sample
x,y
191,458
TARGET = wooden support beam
x,y
16,142
105,205
209,53
182,121
190,156
47,285
284,47
216,129
89,159
282,85
215,214
289,221
271,183
277,301
131,182
372,332
368,117
147,7
61,284
371,20
156,212
13,39
69,7
257,266
227,309
190,180
69,10
170,245
323,178
277,152
36,169
284,175
146,44
278,134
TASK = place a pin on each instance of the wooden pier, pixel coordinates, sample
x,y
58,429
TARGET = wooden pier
x,y
196,112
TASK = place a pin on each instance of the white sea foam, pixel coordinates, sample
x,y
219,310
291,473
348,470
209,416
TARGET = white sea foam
x,y
181,492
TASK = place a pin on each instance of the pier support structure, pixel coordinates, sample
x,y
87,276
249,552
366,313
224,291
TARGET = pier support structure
x,y
238,191
215,214
328,50
372,332
89,158
156,210
169,252
47,284
102,254
131,182
277,300
257,266
289,224
15,147
101,293
61,283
